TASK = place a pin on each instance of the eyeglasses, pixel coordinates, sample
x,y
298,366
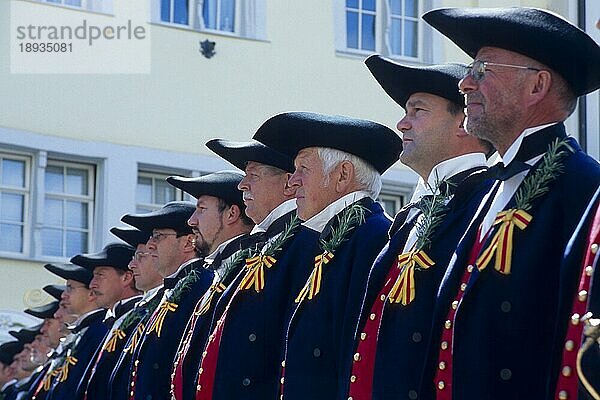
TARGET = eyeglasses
x,y
477,68
158,236
71,289
138,255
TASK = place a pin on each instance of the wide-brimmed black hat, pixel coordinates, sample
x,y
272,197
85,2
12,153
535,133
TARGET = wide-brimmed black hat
x,y
131,236
535,33
239,153
45,311
55,291
27,335
173,215
116,255
401,81
9,350
222,184
293,131
70,271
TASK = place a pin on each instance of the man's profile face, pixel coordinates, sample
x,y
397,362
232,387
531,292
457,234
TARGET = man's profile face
x,y
262,190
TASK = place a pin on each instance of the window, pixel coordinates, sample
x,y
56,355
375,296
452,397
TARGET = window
x,y
153,191
391,204
68,208
14,200
90,5
245,18
388,27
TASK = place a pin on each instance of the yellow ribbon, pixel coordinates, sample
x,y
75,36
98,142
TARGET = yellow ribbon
x,y
216,288
255,277
111,345
134,339
403,290
313,285
157,324
48,379
502,242
64,370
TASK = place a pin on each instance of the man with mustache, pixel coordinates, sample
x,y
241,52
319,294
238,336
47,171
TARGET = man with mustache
x,y
498,307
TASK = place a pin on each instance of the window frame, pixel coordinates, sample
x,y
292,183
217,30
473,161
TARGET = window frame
x,y
26,191
154,175
86,5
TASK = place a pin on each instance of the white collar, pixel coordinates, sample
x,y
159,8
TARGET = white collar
x,y
84,316
277,212
210,258
149,294
516,145
7,384
182,266
445,170
318,221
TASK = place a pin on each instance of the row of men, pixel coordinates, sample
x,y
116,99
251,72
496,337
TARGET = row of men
x,y
290,282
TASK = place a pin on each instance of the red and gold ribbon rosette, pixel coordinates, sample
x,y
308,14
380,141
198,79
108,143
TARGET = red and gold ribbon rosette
x,y
255,276
403,290
313,285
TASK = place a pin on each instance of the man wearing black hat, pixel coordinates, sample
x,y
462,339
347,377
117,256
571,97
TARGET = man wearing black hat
x,y
268,203
337,178
498,306
8,351
178,261
396,311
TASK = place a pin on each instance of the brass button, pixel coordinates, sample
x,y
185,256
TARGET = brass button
x,y
353,378
363,336
441,385
131,393
198,388
350,398
372,316
562,395
455,304
133,373
566,371
357,357
382,297
200,371
594,248
569,345
448,324
281,380
283,363
469,268
588,270
582,295
575,319
463,286
444,345
137,362
132,384
442,365
204,353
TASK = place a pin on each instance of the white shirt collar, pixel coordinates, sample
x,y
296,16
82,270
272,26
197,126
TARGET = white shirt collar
x,y
516,145
84,316
445,170
210,258
277,212
182,266
318,221
7,384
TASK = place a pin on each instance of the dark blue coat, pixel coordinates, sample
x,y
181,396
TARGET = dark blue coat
x,y
405,330
251,347
153,357
503,328
321,330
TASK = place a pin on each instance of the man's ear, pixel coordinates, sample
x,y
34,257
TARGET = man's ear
x,y
127,278
344,176
232,214
459,130
540,87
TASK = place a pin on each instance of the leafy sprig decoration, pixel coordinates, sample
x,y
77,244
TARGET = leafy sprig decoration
x,y
238,257
288,231
183,286
536,184
433,209
349,219
137,314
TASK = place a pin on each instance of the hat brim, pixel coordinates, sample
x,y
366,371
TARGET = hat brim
x,y
240,153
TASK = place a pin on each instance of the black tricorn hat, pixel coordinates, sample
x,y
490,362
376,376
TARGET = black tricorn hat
x,y
45,311
293,131
116,255
8,351
27,335
173,215
239,153
70,271
222,184
535,33
401,81
55,291
131,236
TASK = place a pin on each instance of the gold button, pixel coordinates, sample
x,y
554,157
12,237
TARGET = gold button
x,y
441,385
589,270
357,357
136,362
353,378
448,324
350,398
281,380
562,395
382,297
575,319
372,316
204,353
283,363
200,370
569,345
463,286
444,345
594,248
198,388
454,304
582,295
132,384
363,336
566,371
131,393
442,365
133,373
469,268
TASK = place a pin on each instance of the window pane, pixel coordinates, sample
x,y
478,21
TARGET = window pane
x,y
396,36
52,242
180,14
165,10
368,5
410,38
77,215
12,238
53,214
73,3
77,181
227,15
352,3
11,207
352,30
209,13
76,243
368,32
163,192
54,179
396,6
411,8
13,173
144,190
